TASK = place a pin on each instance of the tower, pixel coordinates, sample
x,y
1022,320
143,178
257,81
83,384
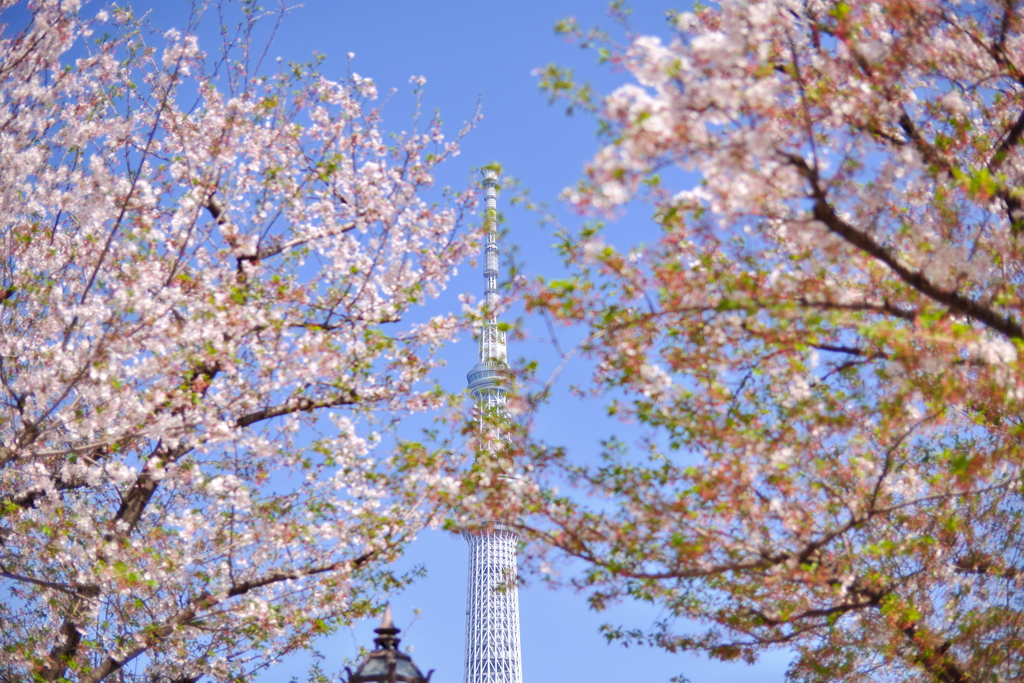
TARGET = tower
x,y
492,601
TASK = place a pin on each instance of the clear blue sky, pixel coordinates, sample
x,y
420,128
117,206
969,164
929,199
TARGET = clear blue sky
x,y
487,51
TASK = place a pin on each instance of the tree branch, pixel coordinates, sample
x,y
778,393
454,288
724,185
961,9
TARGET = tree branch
x,y
956,302
297,405
155,634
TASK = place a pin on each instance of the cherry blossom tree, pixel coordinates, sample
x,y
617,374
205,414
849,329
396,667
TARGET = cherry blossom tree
x,y
211,270
821,343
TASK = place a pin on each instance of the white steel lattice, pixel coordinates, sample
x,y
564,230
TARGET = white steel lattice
x,y
492,608
492,602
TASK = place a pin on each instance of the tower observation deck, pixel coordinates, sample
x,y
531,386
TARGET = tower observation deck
x,y
493,652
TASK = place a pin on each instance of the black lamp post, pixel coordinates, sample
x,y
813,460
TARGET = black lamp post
x,y
387,664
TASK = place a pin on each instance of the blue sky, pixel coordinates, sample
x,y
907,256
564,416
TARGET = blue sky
x,y
487,52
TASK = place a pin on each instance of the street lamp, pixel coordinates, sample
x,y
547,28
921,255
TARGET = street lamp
x,y
387,664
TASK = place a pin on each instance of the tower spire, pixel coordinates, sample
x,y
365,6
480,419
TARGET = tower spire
x,y
493,652
492,346
485,379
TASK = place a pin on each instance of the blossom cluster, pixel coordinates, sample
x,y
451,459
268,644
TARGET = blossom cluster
x,y
200,262
822,342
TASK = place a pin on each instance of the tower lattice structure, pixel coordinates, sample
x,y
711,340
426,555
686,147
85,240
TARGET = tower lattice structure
x,y
493,652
